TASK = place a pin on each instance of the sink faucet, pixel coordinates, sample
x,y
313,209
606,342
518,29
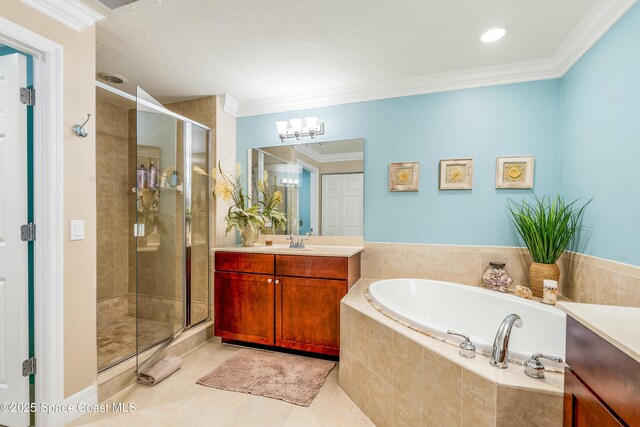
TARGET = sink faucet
x,y
296,241
500,350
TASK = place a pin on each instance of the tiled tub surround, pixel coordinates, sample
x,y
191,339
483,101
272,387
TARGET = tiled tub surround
x,y
584,278
400,377
433,307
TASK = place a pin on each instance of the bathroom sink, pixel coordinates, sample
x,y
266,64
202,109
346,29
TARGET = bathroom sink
x,y
280,249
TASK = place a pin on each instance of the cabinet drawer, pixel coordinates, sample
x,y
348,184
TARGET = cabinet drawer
x,y
245,263
610,373
312,266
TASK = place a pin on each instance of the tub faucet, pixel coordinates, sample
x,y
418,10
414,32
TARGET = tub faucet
x,y
500,350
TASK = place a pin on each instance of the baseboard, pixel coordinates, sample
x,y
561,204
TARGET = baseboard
x,y
83,398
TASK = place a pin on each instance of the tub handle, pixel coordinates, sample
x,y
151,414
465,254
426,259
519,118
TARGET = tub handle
x,y
535,369
467,349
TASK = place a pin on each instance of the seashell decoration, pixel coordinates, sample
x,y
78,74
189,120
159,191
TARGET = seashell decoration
x,y
496,277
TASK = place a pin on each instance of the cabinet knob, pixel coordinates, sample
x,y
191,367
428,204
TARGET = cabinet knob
x,y
277,281
271,280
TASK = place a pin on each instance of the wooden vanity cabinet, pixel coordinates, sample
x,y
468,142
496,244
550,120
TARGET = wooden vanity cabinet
x,y
602,383
287,301
244,307
308,314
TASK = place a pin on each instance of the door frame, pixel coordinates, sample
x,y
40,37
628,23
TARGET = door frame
x,y
314,194
48,213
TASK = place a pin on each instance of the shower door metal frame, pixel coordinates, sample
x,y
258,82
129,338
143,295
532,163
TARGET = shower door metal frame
x,y
186,251
186,224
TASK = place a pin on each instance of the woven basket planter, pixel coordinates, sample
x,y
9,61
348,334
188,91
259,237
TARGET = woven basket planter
x,y
538,273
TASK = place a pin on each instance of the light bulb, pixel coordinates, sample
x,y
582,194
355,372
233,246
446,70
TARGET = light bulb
x,y
296,125
282,129
493,35
312,123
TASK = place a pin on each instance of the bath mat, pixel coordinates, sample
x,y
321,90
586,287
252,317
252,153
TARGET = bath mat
x,y
294,379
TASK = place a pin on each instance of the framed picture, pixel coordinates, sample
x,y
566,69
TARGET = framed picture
x,y
514,172
403,176
456,174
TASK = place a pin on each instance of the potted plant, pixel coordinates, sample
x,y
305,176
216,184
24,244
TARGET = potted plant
x,y
547,226
244,217
270,201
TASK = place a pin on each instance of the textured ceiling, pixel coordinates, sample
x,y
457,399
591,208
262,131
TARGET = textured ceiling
x,y
257,49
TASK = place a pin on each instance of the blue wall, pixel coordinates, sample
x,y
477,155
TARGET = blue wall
x,y
518,119
601,144
305,201
584,130
6,50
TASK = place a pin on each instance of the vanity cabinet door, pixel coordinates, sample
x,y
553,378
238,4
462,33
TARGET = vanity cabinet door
x,y
308,314
582,408
244,307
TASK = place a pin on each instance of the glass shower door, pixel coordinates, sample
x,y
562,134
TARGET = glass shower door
x,y
160,223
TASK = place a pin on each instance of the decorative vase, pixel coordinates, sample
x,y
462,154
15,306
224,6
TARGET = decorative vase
x,y
538,272
249,234
496,277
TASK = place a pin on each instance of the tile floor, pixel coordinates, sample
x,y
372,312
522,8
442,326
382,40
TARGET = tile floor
x,y
117,340
179,401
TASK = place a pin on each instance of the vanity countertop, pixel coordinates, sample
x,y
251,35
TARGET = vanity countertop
x,y
309,250
617,325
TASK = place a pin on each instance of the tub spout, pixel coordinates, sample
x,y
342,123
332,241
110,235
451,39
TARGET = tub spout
x,y
500,350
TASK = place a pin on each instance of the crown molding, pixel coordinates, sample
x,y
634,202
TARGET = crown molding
x,y
328,158
72,13
593,25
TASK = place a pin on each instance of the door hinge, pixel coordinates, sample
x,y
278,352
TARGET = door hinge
x,y
138,230
28,232
28,96
29,367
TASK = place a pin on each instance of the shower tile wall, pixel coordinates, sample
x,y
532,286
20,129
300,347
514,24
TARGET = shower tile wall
x,y
112,161
112,205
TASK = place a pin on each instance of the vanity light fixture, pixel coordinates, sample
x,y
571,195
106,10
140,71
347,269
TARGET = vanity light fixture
x,y
298,128
493,35
289,182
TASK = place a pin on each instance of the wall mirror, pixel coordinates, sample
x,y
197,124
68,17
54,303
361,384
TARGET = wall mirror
x,y
322,185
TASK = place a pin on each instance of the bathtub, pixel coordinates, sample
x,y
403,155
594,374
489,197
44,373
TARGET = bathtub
x,y
433,307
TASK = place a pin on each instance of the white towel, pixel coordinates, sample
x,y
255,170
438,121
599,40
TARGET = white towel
x,y
160,370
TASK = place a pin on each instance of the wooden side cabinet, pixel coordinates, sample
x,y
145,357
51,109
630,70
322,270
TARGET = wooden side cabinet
x,y
582,407
601,383
287,301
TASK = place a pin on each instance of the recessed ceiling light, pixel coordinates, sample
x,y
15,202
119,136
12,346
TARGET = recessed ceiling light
x,y
112,78
493,35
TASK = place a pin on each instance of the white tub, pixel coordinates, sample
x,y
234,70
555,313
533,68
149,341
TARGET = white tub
x,y
435,307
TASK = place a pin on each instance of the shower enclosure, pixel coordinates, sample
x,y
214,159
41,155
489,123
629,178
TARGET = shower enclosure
x,y
153,224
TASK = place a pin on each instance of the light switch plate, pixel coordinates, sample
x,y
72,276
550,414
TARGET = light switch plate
x,y
76,229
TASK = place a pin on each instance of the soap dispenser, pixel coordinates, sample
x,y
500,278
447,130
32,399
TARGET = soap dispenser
x,y
153,176
142,176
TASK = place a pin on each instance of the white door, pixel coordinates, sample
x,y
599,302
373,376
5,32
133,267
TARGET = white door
x,y
14,329
352,204
331,205
342,205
